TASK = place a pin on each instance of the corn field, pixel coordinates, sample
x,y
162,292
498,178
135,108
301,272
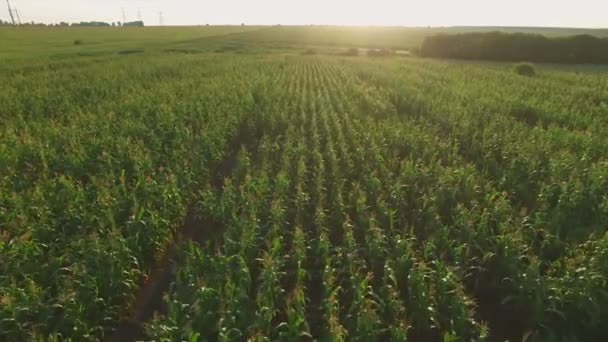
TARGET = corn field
x,y
334,199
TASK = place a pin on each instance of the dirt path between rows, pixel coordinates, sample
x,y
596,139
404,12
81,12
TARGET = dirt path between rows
x,y
149,300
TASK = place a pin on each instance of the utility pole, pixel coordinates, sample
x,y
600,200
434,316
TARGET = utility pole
x,y
124,17
139,14
160,18
10,12
17,14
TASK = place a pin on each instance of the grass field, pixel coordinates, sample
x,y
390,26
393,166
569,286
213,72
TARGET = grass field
x,y
216,183
58,43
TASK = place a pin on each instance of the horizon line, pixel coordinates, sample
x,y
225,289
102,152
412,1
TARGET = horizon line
x,y
334,25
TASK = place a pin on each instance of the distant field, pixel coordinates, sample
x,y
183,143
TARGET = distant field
x,y
380,37
256,183
24,42
36,42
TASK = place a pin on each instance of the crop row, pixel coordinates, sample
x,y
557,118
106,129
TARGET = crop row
x,y
340,199
98,170
358,217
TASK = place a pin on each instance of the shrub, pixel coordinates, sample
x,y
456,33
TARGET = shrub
x,y
310,52
78,42
525,69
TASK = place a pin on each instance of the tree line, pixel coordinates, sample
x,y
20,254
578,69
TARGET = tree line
x,y
138,23
514,47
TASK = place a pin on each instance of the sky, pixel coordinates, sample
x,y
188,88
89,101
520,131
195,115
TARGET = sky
x,y
563,13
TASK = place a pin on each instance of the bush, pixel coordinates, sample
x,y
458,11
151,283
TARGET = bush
x,y
78,42
310,52
525,69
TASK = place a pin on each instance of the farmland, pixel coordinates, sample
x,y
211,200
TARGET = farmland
x,y
243,189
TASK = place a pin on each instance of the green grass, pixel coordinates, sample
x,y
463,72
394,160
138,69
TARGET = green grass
x,y
37,42
402,38
333,197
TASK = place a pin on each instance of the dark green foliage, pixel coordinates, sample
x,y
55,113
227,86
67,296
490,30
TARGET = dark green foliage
x,y
498,46
133,24
130,51
525,69
92,24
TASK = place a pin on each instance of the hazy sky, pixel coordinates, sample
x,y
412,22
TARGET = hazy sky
x,y
579,13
